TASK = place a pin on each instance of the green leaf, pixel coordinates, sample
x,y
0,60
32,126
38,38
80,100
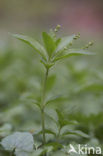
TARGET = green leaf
x,y
58,42
62,121
64,42
49,43
93,87
33,43
76,132
29,99
73,52
52,99
52,116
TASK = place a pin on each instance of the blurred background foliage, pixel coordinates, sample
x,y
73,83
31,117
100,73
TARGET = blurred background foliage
x,y
78,80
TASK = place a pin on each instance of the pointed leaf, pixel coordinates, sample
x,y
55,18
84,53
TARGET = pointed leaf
x,y
49,43
73,53
93,87
58,41
29,98
76,132
33,43
54,98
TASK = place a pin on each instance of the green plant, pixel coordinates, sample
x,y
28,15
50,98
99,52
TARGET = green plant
x,y
54,50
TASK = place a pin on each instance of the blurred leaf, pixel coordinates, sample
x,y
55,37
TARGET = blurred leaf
x,y
62,121
76,132
33,43
93,87
58,42
73,53
53,99
21,142
52,115
49,43
29,98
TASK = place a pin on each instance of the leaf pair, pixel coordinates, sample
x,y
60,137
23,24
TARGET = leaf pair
x,y
62,126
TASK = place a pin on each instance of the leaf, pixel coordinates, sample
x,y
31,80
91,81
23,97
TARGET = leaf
x,y
64,42
29,98
58,41
54,98
33,102
76,132
33,43
49,43
73,53
52,115
93,87
19,141
71,122
62,121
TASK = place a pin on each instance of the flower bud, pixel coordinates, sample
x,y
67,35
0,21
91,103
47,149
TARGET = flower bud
x,y
57,28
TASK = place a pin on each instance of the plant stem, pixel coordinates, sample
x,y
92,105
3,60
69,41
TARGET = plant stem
x,y
43,105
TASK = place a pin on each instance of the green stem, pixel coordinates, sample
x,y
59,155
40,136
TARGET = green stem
x,y
43,105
